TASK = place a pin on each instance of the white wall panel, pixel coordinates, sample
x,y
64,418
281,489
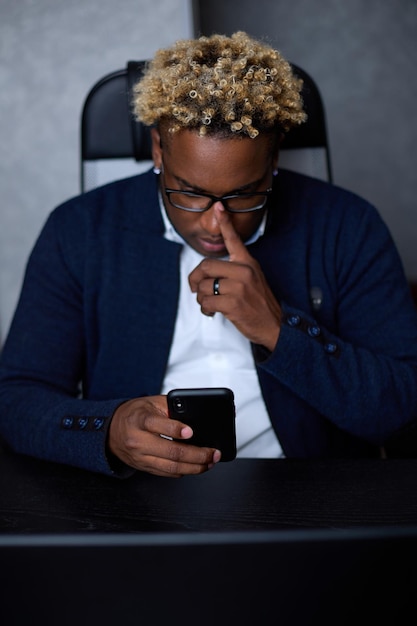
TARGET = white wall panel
x,y
51,53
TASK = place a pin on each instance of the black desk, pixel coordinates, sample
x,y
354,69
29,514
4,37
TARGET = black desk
x,y
40,497
250,542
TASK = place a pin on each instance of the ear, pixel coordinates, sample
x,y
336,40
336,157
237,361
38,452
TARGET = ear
x,y
275,155
156,148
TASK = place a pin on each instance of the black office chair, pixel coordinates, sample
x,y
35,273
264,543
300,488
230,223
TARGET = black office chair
x,y
114,145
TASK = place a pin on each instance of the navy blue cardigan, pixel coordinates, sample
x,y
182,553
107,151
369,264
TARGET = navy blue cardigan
x,y
96,316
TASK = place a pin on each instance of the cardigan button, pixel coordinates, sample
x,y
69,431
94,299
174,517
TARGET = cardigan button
x,y
293,320
314,331
330,348
67,422
98,423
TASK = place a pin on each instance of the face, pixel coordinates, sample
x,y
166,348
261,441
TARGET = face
x,y
215,166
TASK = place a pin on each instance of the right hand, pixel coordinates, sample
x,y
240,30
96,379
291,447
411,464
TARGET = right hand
x,y
135,438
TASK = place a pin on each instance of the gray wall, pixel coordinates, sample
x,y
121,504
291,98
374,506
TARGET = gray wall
x,y
363,55
51,53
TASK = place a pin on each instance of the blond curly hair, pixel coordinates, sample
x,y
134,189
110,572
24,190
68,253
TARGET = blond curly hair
x,y
218,84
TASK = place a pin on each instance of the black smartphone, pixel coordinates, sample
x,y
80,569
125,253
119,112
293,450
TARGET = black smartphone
x,y
210,411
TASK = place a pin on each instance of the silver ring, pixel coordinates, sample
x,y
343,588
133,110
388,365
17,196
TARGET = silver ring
x,y
216,286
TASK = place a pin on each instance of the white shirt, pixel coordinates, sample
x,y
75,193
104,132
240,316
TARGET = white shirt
x,y
210,352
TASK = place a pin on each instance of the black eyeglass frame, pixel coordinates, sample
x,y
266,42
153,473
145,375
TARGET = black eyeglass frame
x,y
223,199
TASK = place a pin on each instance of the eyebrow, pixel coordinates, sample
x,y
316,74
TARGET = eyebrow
x,y
242,189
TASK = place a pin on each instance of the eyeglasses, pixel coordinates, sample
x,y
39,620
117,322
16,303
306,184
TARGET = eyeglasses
x,y
233,203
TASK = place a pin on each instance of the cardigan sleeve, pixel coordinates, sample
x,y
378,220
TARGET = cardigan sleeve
x,y
353,361
43,360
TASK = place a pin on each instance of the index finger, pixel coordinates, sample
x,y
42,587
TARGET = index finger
x,y
234,245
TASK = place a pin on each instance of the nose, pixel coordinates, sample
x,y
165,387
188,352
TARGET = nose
x,y
209,222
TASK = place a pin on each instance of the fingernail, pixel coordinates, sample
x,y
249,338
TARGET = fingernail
x,y
216,458
186,432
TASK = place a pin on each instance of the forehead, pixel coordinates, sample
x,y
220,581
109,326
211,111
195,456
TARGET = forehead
x,y
214,160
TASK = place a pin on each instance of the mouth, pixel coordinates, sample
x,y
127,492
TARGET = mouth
x,y
212,246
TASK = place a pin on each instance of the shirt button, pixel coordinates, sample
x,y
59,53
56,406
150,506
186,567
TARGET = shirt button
x,y
294,320
67,422
314,331
82,423
98,423
330,348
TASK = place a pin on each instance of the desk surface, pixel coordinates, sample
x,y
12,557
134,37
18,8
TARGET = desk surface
x,y
282,494
250,542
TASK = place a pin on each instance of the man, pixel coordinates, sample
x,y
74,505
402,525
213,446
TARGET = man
x,y
211,270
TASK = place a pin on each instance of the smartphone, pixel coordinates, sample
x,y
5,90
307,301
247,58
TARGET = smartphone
x,y
211,413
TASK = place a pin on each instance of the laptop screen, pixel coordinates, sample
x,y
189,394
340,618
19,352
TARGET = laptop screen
x,y
275,577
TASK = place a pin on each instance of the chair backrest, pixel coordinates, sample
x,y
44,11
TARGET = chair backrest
x,y
114,145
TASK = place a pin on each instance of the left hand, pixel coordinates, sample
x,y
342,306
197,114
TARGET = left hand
x,y
245,297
